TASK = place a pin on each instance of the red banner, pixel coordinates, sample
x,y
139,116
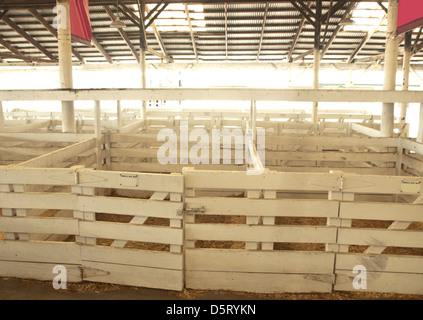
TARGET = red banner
x,y
80,21
410,15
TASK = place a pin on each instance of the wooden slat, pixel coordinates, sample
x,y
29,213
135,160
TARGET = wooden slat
x,y
257,233
144,181
135,207
412,163
45,137
259,261
259,282
271,180
264,207
380,263
412,145
37,271
135,276
134,257
60,155
332,156
381,237
376,184
50,176
381,211
46,252
39,225
121,231
405,283
38,201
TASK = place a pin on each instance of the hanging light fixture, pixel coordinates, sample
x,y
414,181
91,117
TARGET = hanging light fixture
x,y
347,21
117,24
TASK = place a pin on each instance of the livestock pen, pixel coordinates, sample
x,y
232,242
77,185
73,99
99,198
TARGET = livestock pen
x,y
99,203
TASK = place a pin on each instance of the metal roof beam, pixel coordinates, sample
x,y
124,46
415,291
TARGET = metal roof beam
x,y
123,35
29,38
262,30
53,31
194,46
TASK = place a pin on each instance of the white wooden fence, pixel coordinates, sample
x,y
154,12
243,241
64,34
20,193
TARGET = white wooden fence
x,y
302,232
54,217
209,229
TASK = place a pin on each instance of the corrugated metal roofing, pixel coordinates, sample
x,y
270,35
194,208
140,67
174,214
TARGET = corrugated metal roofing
x,y
220,31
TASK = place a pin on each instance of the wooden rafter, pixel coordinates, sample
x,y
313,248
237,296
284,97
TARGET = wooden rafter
x,y
263,27
103,51
226,31
338,5
296,37
53,31
303,12
151,20
338,28
194,46
123,34
160,41
9,47
363,42
151,12
28,37
143,34
417,38
25,58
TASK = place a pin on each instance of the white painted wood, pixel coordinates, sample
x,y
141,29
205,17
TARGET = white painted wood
x,y
366,130
405,283
301,234
380,263
259,282
270,180
380,237
259,261
2,120
39,225
29,127
134,257
128,232
60,155
412,163
381,211
240,94
46,252
420,129
253,220
143,181
37,271
267,207
135,276
45,137
38,201
135,207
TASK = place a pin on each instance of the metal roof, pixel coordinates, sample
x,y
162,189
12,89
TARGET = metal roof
x,y
247,31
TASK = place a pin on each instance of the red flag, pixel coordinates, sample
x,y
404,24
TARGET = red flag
x,y
80,21
410,15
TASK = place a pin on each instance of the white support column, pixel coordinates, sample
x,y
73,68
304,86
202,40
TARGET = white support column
x,y
406,74
253,118
390,70
1,117
65,65
119,115
316,69
420,131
